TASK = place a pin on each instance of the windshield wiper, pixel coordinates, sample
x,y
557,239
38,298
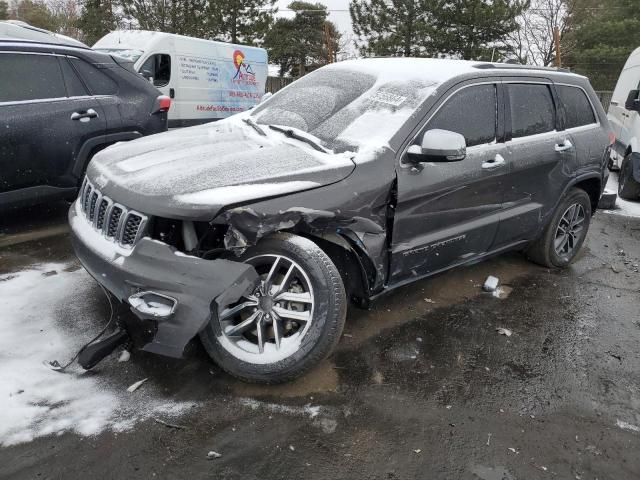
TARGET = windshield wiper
x,y
292,133
252,123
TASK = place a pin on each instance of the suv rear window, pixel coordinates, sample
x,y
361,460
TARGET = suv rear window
x,y
98,82
477,124
532,109
577,108
30,77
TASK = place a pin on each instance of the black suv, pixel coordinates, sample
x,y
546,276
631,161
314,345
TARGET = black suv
x,y
59,105
361,177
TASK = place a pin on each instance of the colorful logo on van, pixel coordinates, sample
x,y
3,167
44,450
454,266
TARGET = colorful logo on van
x,y
244,72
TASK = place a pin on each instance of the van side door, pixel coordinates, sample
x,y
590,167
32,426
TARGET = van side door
x,y
541,159
448,212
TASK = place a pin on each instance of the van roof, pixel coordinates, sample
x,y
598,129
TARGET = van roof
x,y
145,40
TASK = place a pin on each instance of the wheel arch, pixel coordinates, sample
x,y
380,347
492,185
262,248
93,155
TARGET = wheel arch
x,y
592,185
353,264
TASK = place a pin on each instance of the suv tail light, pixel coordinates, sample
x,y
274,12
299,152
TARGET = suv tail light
x,y
612,138
163,104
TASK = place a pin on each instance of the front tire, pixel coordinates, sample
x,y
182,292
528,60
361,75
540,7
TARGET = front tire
x,y
628,188
564,235
291,322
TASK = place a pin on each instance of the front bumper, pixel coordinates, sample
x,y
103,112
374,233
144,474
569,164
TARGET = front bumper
x,y
198,286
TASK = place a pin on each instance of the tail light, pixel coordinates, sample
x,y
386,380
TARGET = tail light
x,y
163,104
612,138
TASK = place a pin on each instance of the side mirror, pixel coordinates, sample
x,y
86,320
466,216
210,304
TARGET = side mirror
x,y
439,146
633,103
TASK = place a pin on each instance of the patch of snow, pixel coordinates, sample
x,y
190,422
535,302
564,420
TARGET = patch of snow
x,y
311,411
36,401
624,207
627,426
240,193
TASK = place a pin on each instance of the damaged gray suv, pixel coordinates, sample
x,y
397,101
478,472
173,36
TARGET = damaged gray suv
x,y
255,232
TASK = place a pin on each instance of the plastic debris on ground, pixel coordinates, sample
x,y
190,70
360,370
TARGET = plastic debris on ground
x,y
212,455
124,356
136,385
504,331
490,284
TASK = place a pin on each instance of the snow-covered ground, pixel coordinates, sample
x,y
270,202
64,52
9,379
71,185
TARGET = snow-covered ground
x,y
623,207
47,313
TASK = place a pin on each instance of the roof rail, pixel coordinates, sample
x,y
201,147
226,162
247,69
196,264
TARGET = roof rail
x,y
517,66
38,42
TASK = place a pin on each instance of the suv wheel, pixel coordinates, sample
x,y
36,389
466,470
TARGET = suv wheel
x,y
628,188
290,322
562,238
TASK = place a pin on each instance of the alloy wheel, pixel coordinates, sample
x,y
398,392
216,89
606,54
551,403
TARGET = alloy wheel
x,y
269,324
569,230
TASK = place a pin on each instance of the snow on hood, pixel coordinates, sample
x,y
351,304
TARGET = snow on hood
x,y
195,171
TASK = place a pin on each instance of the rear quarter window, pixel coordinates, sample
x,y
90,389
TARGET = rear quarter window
x,y
577,108
532,109
97,81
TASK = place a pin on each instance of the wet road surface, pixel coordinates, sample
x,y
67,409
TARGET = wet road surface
x,y
421,386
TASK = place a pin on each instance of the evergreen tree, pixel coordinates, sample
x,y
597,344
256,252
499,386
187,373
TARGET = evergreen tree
x,y
36,13
304,42
602,34
393,28
471,29
4,10
454,28
240,21
185,17
96,20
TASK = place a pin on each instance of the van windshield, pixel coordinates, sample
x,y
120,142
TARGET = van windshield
x,y
128,54
345,109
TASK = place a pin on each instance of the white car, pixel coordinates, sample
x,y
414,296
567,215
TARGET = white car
x,y
625,121
15,29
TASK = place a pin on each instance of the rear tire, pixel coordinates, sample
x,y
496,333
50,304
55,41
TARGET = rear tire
x,y
628,188
563,237
274,347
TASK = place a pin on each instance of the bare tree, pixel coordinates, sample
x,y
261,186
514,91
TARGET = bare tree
x,y
533,42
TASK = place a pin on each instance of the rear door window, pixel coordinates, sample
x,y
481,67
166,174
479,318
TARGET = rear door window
x,y
75,88
577,108
532,109
30,77
477,124
98,82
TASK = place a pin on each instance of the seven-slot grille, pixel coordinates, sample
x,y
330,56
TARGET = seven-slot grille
x,y
113,220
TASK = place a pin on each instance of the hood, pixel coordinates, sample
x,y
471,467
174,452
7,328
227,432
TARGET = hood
x,y
192,173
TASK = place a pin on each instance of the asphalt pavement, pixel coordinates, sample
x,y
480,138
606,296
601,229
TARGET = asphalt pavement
x,y
423,385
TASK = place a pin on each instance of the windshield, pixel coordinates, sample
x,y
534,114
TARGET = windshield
x,y
126,53
344,108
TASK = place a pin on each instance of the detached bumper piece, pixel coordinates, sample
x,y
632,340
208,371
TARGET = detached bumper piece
x,y
176,292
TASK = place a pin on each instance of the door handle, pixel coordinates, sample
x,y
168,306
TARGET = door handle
x,y
563,147
172,93
495,162
88,114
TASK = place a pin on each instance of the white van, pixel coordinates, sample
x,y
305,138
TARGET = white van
x,y
624,117
24,31
206,80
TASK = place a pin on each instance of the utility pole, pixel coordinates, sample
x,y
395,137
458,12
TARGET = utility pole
x,y
327,39
556,41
